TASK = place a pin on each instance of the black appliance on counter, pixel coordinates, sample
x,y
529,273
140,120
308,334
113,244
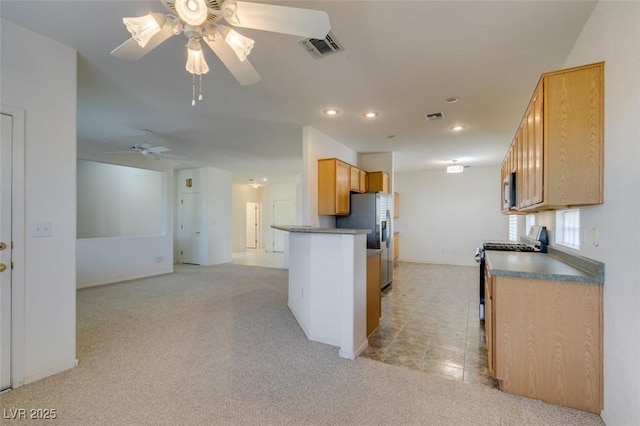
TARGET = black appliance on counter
x,y
374,211
536,240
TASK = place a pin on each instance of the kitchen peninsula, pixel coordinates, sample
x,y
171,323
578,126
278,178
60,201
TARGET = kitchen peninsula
x,y
327,285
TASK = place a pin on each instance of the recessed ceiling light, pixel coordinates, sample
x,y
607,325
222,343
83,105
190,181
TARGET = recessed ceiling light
x,y
370,114
331,111
457,128
452,100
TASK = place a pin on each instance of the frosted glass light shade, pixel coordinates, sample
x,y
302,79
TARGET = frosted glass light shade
x,y
142,28
456,168
193,12
195,58
240,44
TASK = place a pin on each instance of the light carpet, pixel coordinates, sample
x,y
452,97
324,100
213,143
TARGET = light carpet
x,y
218,346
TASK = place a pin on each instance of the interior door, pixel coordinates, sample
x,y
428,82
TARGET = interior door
x,y
253,225
190,239
5,250
283,214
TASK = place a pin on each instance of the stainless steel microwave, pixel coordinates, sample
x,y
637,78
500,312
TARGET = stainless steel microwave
x,y
509,191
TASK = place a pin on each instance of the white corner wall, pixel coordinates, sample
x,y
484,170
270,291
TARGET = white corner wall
x,y
317,145
214,185
217,203
115,259
444,217
38,76
612,34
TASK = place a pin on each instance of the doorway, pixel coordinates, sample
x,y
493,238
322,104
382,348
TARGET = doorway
x,y
189,230
254,225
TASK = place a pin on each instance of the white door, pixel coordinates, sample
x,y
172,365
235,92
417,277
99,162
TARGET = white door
x,y
5,251
190,240
283,214
254,216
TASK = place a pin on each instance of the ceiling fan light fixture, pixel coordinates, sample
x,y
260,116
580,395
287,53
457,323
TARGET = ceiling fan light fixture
x,y
193,12
142,28
240,44
195,58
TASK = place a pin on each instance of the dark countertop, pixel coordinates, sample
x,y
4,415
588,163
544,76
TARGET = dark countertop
x,y
317,230
538,266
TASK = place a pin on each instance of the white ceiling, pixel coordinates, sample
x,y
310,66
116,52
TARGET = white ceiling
x,y
402,59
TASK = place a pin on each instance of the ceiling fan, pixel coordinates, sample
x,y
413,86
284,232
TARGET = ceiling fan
x,y
201,20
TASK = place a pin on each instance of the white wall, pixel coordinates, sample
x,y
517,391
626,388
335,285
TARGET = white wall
x,y
445,217
217,204
48,96
612,34
117,201
284,190
379,161
109,260
317,145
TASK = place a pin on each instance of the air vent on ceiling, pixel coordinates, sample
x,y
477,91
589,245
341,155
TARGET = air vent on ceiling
x,y
434,116
322,47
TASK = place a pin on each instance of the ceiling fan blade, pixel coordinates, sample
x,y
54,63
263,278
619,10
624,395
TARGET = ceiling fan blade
x,y
132,51
243,71
279,19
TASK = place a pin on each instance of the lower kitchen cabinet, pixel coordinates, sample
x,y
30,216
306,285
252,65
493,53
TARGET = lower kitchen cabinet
x,y
374,294
544,339
396,245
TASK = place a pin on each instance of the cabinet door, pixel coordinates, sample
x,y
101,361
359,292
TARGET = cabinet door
x,y
521,168
355,179
378,182
396,205
343,182
573,146
488,320
374,296
363,181
334,179
536,147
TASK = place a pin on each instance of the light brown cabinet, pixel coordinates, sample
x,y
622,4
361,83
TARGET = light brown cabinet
x,y
544,339
378,182
334,179
374,295
358,181
396,246
396,205
557,152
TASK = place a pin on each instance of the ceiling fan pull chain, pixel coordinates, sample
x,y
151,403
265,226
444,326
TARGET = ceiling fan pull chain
x,y
200,95
193,90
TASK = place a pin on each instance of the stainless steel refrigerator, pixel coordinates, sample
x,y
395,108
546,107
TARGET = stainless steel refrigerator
x,y
374,211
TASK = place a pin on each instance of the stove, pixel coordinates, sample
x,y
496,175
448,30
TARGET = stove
x,y
536,240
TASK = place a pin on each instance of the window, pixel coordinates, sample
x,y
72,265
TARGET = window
x,y
513,227
568,228
529,221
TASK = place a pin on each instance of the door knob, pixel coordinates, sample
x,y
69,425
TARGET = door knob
x,y
3,267
2,246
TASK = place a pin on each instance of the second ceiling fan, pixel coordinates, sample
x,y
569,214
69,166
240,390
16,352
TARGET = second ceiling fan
x,y
200,20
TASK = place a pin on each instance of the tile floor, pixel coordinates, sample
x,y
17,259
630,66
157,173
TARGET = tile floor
x,y
430,323
429,319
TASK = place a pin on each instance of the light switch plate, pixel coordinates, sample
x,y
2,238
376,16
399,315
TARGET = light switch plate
x,y
42,230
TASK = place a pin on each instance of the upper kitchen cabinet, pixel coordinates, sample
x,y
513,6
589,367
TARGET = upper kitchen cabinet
x,y
334,181
358,182
557,153
378,182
